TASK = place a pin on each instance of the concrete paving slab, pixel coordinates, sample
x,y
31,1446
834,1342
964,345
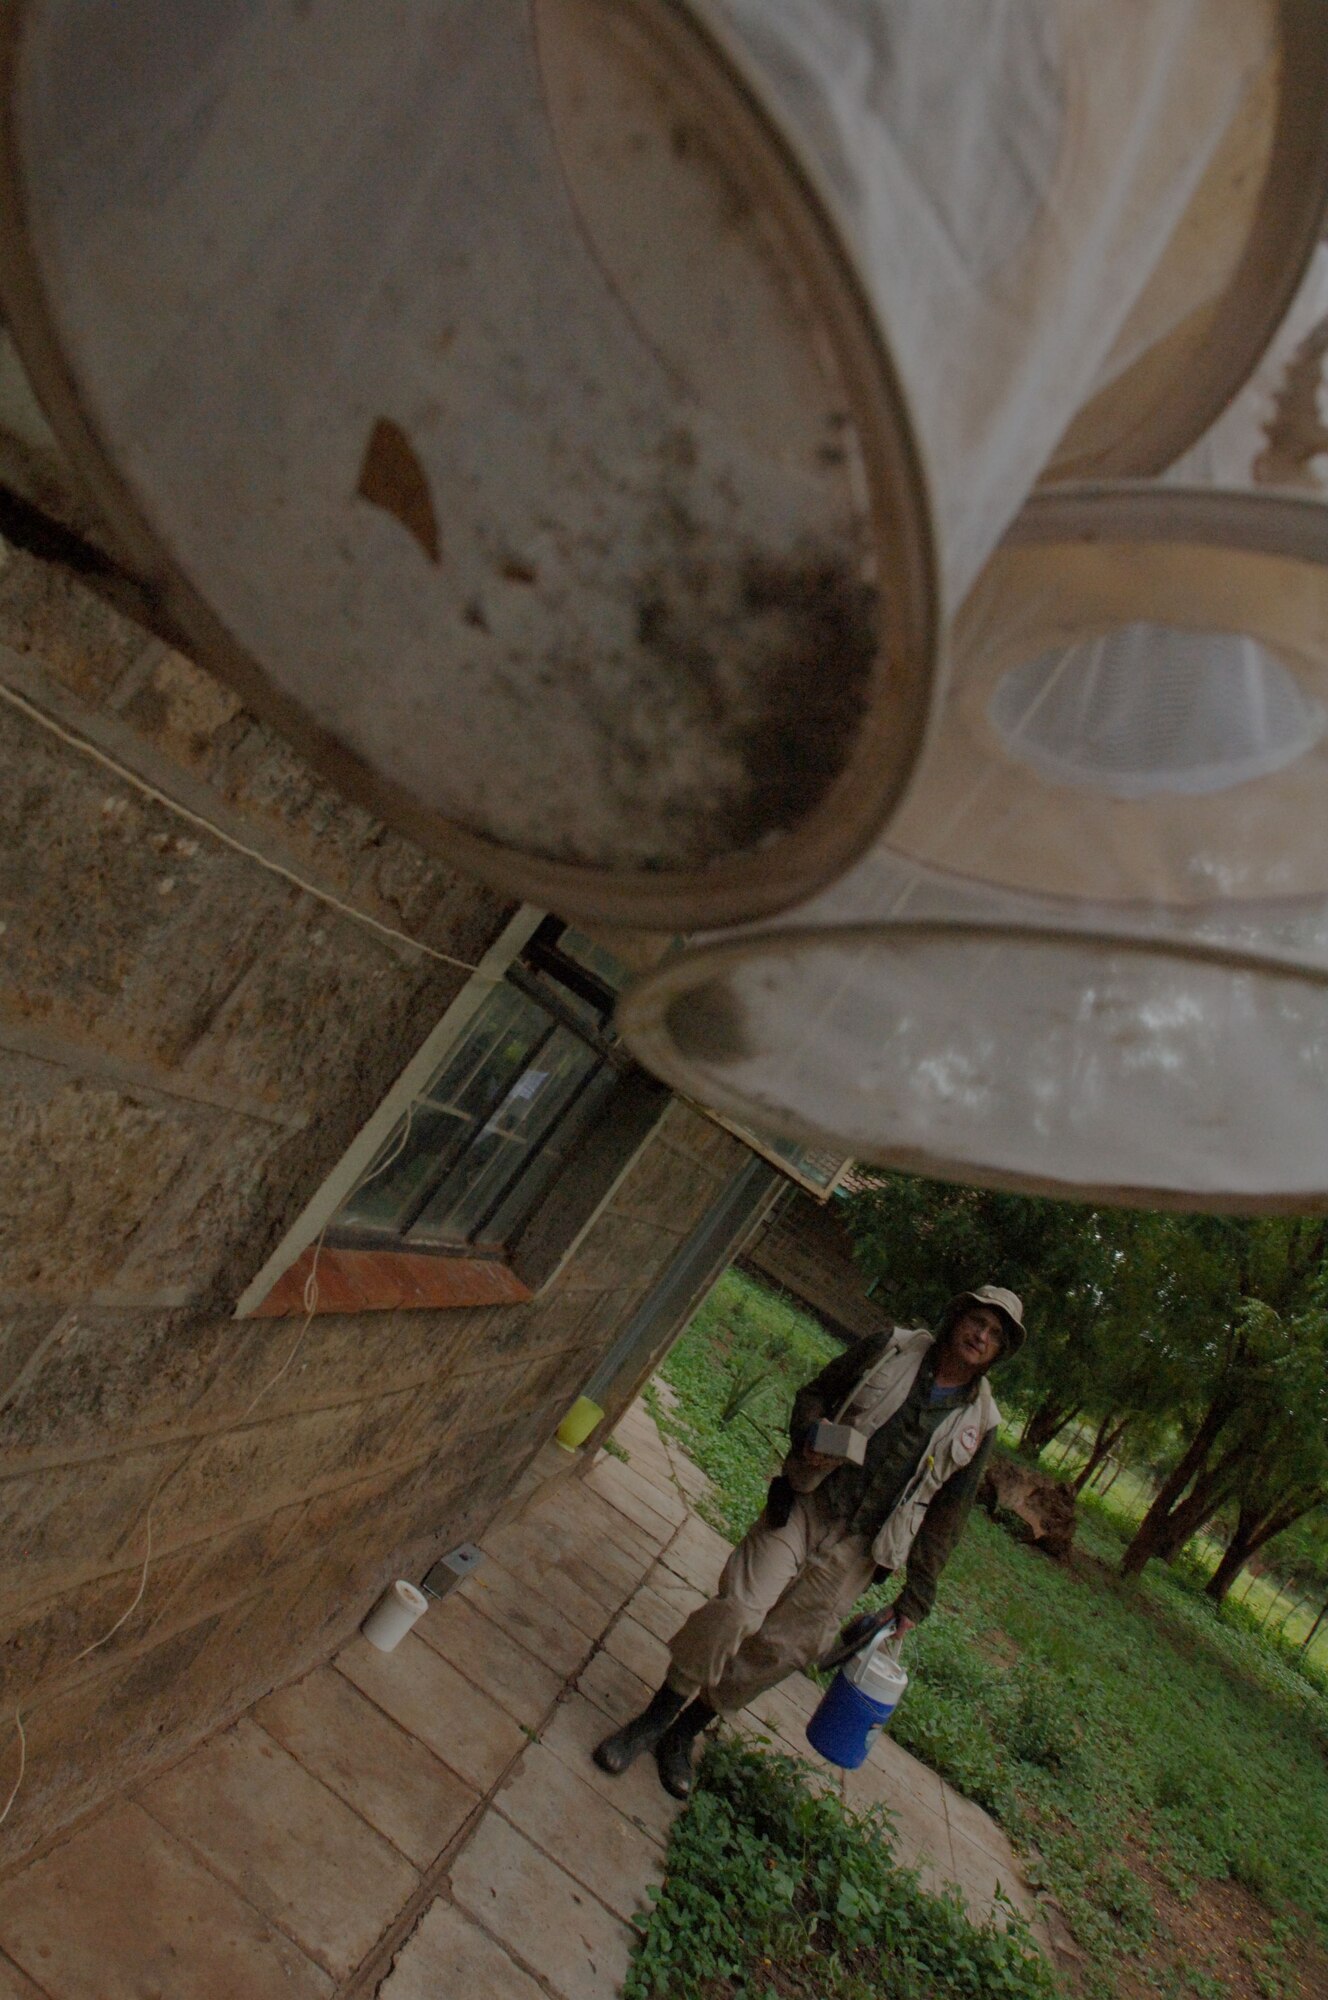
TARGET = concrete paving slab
x,y
904,1775
424,1693
287,1844
15,1985
638,1649
610,1480
654,1488
920,1835
448,1957
802,1694
645,1453
527,1616
969,1821
580,1829
540,1914
980,1876
691,1479
663,1601
639,1435
385,1775
637,1421
580,1505
553,1538
122,1911
650,1457
484,1653
781,1711
697,1554
613,1687
542,1574
572,1735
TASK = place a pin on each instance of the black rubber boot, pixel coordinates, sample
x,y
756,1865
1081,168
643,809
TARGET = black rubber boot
x,y
643,1732
673,1752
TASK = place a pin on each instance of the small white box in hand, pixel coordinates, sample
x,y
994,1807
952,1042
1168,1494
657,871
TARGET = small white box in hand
x,y
839,1441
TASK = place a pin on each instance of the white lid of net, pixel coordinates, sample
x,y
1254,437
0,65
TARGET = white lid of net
x,y
490,402
1177,1071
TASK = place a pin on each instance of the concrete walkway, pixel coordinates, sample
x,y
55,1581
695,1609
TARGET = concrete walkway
x,y
428,1824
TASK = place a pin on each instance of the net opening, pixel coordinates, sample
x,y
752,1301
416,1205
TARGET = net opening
x,y
1146,710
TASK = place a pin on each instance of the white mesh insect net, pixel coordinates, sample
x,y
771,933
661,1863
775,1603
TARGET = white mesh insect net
x,y
569,420
1146,710
987,1038
1094,954
1054,207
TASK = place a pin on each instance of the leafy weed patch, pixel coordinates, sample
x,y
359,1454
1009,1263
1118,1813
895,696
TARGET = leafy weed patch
x,y
773,1892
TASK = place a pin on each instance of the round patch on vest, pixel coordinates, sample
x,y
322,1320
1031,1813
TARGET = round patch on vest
x,y
968,1438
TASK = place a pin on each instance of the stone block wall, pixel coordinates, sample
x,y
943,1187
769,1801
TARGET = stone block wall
x,y
188,1042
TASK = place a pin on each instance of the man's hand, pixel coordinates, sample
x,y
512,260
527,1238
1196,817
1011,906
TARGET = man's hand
x,y
903,1625
817,1461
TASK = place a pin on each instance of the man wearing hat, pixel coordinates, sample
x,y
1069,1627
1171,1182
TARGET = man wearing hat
x,y
910,1419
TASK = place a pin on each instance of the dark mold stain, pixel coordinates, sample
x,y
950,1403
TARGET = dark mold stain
x,y
776,660
709,1025
392,478
517,571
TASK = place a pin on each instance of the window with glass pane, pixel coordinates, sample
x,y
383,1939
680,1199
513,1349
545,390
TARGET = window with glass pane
x,y
468,1162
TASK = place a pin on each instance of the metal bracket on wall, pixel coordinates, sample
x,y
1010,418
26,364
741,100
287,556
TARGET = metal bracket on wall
x,y
452,1569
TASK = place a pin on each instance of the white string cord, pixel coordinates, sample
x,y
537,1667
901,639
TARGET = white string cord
x,y
310,1293
128,777
22,1766
310,1302
134,1601
131,778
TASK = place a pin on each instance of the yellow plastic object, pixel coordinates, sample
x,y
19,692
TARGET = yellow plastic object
x,y
579,1422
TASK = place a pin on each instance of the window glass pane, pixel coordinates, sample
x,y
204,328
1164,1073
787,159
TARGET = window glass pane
x,y
530,1106
819,1169
594,957
392,1193
462,1093
493,1053
541,1166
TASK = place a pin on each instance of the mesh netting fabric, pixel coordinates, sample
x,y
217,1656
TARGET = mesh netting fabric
x,y
1147,709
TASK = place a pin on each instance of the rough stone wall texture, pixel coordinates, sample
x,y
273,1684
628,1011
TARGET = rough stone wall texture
x,y
187,1045
805,1250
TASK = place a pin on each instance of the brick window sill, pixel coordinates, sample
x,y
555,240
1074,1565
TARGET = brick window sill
x,y
351,1281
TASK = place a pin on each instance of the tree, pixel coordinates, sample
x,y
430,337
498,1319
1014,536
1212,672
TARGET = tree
x,y
1282,1466
1241,1305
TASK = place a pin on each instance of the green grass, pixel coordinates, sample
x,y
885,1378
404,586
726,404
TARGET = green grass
x,y
749,1346
775,1892
1101,1723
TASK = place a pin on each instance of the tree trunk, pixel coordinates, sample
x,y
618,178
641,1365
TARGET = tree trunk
x,y
1045,1423
1254,1528
1233,1558
1315,1626
1103,1445
1155,1534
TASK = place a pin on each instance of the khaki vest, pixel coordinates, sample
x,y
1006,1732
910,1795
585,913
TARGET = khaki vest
x,y
954,1442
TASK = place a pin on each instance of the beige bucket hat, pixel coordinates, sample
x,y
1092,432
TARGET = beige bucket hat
x,y
1008,1304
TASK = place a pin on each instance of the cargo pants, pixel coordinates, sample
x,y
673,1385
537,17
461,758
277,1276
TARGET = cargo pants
x,y
782,1597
